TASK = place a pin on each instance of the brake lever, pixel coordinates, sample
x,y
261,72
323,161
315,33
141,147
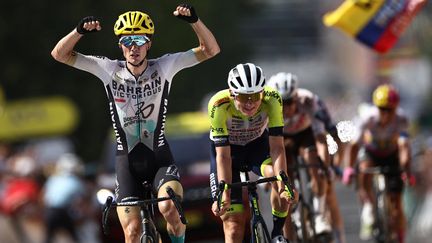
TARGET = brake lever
x,y
105,213
221,188
284,177
174,198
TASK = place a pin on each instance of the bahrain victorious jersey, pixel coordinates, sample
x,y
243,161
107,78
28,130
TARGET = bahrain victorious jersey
x,y
138,106
230,126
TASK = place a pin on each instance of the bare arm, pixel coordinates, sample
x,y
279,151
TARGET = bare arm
x,y
224,163
63,51
322,147
404,154
353,152
224,172
208,47
277,154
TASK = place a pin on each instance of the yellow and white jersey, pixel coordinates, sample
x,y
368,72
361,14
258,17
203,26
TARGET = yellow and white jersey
x,y
230,126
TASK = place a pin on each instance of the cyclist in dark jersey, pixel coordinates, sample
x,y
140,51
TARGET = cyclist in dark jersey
x,y
137,90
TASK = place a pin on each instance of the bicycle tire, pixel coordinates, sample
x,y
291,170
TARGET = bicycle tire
x,y
307,223
381,225
259,235
150,239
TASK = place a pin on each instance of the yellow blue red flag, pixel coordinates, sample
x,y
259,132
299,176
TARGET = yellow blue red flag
x,y
375,23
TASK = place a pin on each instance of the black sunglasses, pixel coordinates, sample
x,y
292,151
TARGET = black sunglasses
x,y
385,109
288,101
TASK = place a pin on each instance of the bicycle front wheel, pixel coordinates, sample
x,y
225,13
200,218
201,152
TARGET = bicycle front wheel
x,y
259,234
382,231
150,239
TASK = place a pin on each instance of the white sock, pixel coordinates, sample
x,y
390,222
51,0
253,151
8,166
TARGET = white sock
x,y
319,204
367,213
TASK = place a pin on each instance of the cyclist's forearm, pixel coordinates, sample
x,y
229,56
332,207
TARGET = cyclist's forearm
x,y
279,164
405,156
322,149
277,154
208,45
63,51
353,154
224,171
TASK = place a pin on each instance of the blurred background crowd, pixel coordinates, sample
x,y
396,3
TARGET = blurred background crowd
x,y
55,132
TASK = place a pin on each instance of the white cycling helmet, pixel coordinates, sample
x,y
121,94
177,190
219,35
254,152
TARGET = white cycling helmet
x,y
284,83
246,79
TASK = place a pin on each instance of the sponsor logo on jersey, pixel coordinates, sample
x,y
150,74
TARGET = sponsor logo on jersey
x,y
212,112
144,110
273,94
143,80
218,130
120,146
161,139
213,184
172,170
154,74
220,140
131,91
217,103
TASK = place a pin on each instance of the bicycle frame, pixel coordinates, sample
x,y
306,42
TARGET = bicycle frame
x,y
259,230
305,204
304,207
382,205
258,226
149,233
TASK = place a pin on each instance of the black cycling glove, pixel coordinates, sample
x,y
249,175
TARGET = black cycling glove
x,y
80,27
190,19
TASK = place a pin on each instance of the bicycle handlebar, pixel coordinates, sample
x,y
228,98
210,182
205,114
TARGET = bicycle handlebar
x,y
281,177
110,203
382,170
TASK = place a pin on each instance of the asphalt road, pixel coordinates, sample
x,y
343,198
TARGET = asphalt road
x,y
349,206
350,210
347,199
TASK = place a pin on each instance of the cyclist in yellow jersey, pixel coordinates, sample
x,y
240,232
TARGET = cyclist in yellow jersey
x,y
246,132
137,89
383,134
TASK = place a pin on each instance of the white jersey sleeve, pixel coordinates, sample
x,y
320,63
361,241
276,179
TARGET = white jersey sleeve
x,y
173,63
97,65
318,126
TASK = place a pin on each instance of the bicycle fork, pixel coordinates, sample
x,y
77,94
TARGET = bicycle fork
x,y
260,233
149,229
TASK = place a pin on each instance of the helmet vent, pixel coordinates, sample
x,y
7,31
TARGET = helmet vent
x,y
233,85
248,75
258,77
239,81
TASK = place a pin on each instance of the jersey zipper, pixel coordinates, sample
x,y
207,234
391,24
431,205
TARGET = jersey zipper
x,y
138,111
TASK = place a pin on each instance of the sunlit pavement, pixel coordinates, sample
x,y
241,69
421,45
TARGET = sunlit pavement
x,y
347,199
33,232
350,210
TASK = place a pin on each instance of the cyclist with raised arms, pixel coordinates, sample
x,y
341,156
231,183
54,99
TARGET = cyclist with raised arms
x,y
246,131
305,122
137,90
383,134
